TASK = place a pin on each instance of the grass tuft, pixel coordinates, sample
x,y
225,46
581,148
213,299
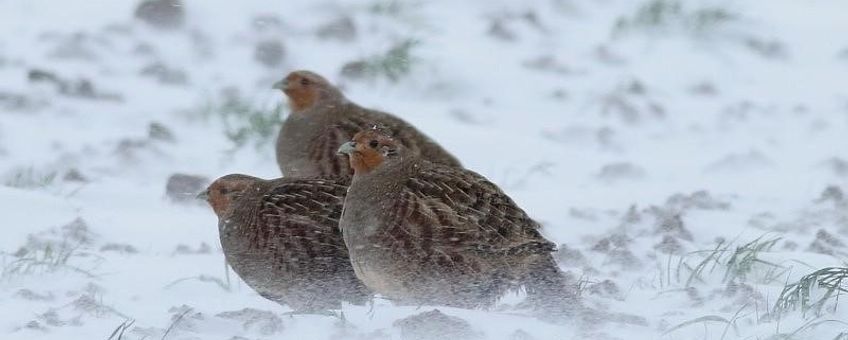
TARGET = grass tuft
x,y
245,122
738,263
658,15
47,258
30,178
812,292
746,257
393,65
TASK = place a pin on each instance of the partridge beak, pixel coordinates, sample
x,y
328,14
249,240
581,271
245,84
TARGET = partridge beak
x,y
203,195
280,85
347,148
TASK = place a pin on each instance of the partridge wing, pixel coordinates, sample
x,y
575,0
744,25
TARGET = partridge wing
x,y
451,209
301,218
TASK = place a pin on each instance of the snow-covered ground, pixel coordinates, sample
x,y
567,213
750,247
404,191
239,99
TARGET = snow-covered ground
x,y
691,157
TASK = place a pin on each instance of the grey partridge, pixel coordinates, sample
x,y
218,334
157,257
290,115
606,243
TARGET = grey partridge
x,y
282,238
322,118
420,232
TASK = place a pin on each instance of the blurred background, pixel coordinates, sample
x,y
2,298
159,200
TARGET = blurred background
x,y
689,156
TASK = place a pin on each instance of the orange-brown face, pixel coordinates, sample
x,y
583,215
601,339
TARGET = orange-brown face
x,y
369,149
221,193
304,89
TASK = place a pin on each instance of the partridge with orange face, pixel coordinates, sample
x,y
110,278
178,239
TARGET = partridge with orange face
x,y
282,238
419,232
322,118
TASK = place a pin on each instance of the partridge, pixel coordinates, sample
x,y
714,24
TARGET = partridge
x,y
322,118
420,232
282,238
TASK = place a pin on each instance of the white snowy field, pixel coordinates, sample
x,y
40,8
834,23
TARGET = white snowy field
x,y
691,157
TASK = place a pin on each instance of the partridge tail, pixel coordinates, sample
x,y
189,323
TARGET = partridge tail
x,y
551,291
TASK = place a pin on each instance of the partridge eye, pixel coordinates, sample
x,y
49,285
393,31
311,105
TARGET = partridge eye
x,y
223,191
304,81
373,144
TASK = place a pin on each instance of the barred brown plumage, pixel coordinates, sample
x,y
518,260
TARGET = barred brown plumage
x,y
322,118
420,232
282,238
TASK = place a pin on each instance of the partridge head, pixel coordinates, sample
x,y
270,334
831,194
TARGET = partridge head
x,y
370,148
306,89
224,191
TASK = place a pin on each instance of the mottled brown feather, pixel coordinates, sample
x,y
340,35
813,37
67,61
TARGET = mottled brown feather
x,y
282,238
